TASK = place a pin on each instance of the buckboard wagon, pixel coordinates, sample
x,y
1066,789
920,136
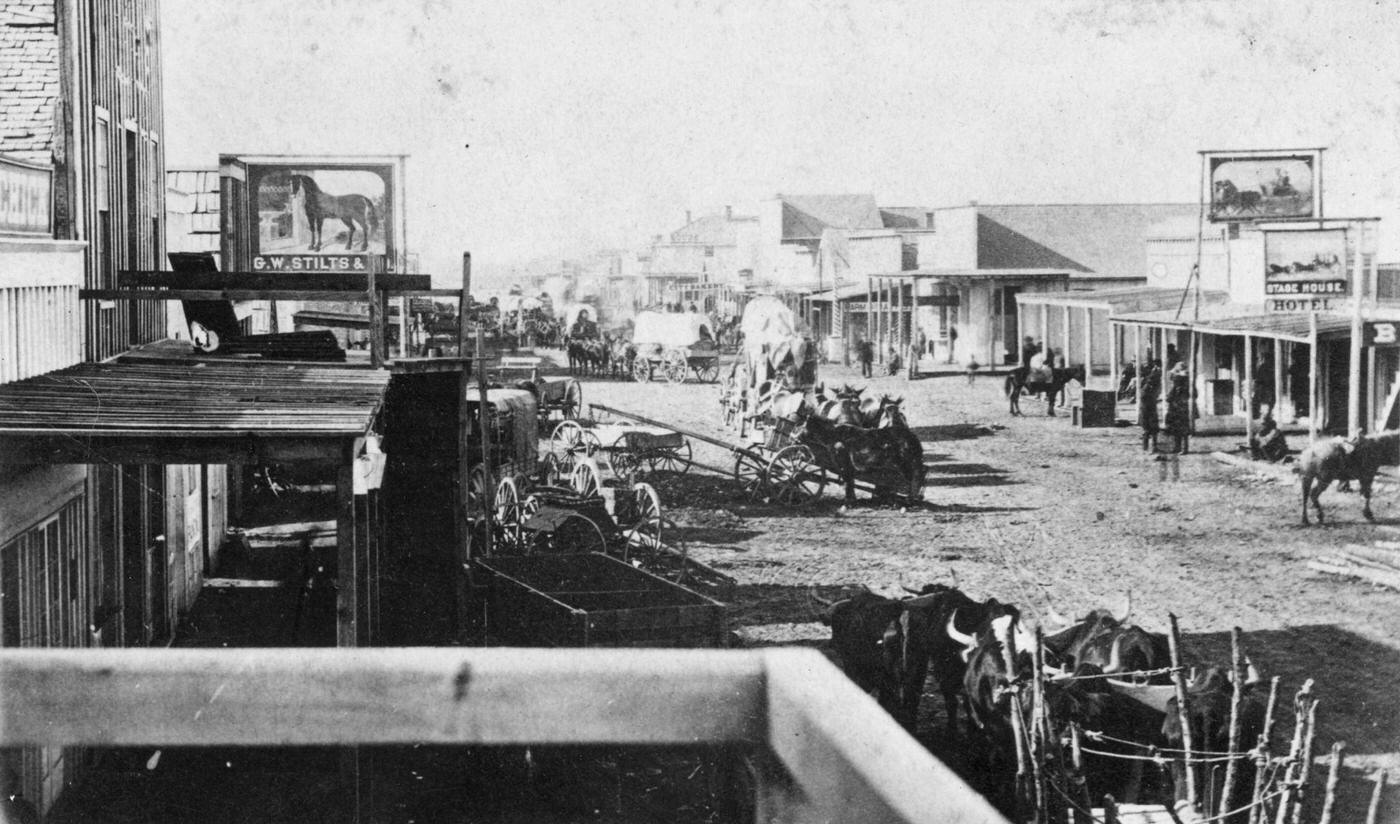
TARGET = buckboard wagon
x,y
675,345
592,600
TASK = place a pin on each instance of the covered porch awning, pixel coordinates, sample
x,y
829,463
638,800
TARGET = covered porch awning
x,y
1225,318
205,413
1116,301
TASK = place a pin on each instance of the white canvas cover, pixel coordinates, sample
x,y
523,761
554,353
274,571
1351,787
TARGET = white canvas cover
x,y
671,329
772,332
572,310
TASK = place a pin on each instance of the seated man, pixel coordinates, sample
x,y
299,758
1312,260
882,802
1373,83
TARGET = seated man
x,y
583,328
1267,443
894,362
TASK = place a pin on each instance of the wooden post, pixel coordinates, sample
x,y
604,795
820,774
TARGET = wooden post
x,y
484,418
1064,334
1088,345
461,516
1295,750
870,309
1278,378
1044,326
1193,368
1248,387
1018,731
1141,365
1236,695
1082,803
376,315
1354,363
1115,354
1373,811
1305,762
346,532
1266,738
1333,773
1110,810
1183,711
1314,359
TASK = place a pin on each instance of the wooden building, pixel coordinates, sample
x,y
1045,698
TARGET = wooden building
x,y
85,547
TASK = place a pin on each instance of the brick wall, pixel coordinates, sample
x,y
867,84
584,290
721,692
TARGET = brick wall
x,y
29,81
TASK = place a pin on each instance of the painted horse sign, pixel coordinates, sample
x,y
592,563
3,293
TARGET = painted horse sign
x,y
320,214
1264,186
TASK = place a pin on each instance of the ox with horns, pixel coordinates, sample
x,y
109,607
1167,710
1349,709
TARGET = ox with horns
x,y
865,636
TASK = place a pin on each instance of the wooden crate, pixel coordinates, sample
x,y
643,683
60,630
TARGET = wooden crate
x,y
593,600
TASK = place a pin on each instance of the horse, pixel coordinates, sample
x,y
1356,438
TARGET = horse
x,y
1018,381
1229,197
1341,460
350,209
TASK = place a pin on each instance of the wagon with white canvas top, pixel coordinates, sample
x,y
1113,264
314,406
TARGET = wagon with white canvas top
x,y
675,345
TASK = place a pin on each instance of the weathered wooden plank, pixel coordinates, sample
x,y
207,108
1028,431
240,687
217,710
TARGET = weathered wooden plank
x,y
851,761
160,447
325,696
276,281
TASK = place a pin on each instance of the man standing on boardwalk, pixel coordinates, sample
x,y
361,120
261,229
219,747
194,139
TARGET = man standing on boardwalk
x,y
865,353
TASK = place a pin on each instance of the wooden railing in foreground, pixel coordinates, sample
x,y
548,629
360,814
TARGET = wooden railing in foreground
x,y
827,751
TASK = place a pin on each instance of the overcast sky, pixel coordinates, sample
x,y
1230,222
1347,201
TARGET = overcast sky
x,y
595,124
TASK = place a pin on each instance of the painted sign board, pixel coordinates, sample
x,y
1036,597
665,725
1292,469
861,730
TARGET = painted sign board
x,y
26,198
1264,185
1380,333
1303,267
312,214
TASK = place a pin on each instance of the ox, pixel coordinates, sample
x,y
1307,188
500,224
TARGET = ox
x,y
854,449
1209,698
1110,643
937,626
865,637
1339,460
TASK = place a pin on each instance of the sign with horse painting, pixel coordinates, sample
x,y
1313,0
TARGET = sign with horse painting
x,y
321,218
1307,264
1264,186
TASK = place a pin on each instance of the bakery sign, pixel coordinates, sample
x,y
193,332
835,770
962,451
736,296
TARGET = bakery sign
x,y
26,198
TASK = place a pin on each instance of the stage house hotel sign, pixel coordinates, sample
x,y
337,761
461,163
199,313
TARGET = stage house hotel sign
x,y
1304,270
321,218
26,198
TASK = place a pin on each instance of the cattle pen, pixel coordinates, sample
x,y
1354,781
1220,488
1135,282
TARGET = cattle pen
x,y
805,744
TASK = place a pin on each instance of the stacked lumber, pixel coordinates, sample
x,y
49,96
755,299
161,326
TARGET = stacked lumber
x,y
1379,564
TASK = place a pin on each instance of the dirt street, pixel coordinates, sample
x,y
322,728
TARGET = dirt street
x,y
1033,508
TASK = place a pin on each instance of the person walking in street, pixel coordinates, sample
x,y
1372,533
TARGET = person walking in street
x,y
1178,424
952,341
865,353
1148,418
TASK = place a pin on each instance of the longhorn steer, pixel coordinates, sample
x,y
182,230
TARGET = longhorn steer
x,y
865,637
1209,697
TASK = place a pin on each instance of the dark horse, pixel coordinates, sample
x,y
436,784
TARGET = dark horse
x,y
1338,460
1017,383
350,209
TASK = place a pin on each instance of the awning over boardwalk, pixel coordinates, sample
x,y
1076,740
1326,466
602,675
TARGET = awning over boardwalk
x,y
188,413
1242,319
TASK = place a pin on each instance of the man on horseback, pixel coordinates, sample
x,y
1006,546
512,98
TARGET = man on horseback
x,y
583,328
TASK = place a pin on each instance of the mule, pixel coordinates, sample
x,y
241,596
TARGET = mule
x,y
1019,381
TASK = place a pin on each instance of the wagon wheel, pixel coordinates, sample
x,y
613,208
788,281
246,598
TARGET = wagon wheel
x,y
554,469
708,371
645,532
565,438
572,404
641,370
508,513
476,491
624,461
795,477
751,474
586,480
674,367
669,458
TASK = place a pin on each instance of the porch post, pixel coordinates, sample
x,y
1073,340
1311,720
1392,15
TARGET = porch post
x,y
347,598
1193,367
1114,347
1248,387
1278,376
1088,345
1141,367
1313,360
869,308
1044,325
1064,334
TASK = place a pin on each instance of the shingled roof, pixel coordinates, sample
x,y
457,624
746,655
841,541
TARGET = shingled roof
x,y
28,80
805,216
